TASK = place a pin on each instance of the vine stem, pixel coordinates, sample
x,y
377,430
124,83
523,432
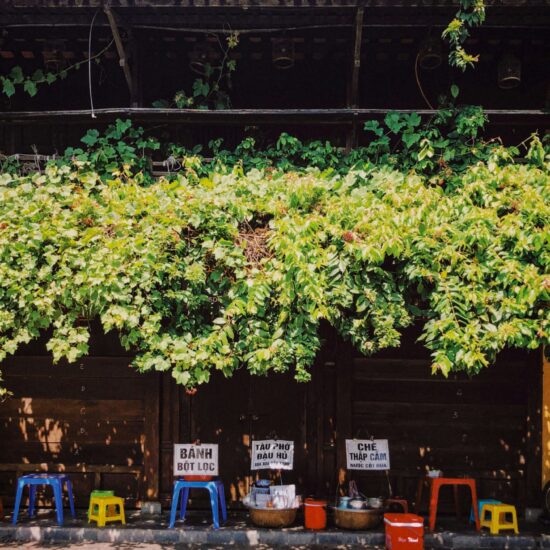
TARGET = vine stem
x,y
418,82
44,80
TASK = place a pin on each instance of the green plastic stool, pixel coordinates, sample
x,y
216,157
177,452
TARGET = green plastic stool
x,y
98,493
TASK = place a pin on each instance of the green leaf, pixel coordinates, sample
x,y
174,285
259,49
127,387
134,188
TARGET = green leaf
x,y
413,120
38,75
394,122
410,139
374,126
30,87
455,91
7,86
16,75
90,138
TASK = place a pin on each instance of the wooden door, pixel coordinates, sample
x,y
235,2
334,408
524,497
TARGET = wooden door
x,y
232,412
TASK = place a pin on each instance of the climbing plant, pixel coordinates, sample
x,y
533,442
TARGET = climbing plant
x,y
214,271
210,90
470,14
30,83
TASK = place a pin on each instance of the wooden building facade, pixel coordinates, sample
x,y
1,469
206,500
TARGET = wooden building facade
x,y
111,427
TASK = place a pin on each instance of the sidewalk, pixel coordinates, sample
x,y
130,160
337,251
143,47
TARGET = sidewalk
x,y
237,532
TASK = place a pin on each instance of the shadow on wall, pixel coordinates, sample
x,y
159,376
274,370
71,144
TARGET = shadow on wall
x,y
86,419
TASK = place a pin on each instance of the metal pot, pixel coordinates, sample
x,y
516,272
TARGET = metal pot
x,y
357,504
375,503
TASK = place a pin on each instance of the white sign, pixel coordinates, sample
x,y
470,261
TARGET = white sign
x,y
196,460
272,455
367,454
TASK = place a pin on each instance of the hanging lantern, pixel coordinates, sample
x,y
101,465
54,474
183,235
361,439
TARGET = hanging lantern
x,y
430,55
509,72
283,55
201,55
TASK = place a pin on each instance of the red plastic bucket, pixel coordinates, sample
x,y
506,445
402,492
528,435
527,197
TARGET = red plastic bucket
x,y
404,532
315,513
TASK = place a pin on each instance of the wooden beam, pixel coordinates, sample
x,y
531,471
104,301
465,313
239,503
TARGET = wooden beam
x,y
123,58
344,418
353,90
545,420
151,448
353,97
238,117
537,456
137,69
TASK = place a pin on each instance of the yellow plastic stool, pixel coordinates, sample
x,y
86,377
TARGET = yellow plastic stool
x,y
103,510
493,516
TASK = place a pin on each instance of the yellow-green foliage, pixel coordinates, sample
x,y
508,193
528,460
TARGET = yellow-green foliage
x,y
238,271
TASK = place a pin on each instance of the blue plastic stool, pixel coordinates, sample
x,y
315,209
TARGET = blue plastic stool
x,y
217,494
481,504
56,481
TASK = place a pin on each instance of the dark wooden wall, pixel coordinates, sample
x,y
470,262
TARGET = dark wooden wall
x,y
91,419
486,426
111,427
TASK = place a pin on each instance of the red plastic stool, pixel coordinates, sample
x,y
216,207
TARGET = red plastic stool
x,y
455,482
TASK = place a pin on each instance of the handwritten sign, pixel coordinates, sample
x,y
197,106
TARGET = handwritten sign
x,y
271,454
201,460
367,454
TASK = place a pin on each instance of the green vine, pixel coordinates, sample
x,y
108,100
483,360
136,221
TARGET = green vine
x,y
30,83
221,268
471,14
209,91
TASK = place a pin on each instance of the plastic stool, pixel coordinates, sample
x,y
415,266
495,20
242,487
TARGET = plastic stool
x,y
455,482
481,504
217,495
56,481
494,517
101,507
97,493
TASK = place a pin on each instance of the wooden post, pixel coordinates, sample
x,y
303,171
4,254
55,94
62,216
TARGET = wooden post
x,y
545,420
537,407
353,89
151,461
356,66
169,432
344,417
137,72
123,58
314,416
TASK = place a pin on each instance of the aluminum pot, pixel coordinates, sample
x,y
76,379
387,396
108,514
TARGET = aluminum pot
x,y
357,503
375,503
